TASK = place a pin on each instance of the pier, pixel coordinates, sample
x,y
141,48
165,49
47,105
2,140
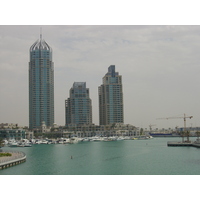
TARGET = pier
x,y
183,144
17,157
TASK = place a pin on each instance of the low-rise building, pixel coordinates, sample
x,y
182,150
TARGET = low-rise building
x,y
16,134
116,129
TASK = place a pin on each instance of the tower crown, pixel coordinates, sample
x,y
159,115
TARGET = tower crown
x,y
40,45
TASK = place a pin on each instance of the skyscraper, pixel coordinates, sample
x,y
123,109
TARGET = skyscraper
x,y
78,107
111,98
41,85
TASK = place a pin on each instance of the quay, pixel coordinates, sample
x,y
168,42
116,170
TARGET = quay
x,y
181,144
196,145
17,157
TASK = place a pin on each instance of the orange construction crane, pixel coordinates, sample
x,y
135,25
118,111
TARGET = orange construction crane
x,y
184,117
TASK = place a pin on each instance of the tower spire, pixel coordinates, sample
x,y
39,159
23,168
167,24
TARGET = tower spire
x,y
40,33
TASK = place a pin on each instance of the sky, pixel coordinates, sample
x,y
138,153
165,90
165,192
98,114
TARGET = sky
x,y
147,41
159,65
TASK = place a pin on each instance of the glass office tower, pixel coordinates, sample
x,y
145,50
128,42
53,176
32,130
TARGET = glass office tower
x,y
78,107
41,85
111,98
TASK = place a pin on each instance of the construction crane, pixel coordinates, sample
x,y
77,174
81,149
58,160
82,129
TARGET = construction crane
x,y
184,118
150,126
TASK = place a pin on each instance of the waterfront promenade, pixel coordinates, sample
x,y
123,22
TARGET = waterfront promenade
x,y
16,158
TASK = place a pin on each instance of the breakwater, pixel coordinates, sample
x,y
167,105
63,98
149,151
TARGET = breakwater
x,y
17,157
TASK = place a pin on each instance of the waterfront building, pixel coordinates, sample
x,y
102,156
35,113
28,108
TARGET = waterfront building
x,y
89,130
16,134
78,107
41,85
111,98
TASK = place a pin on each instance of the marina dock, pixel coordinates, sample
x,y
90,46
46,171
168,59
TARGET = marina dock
x,y
181,144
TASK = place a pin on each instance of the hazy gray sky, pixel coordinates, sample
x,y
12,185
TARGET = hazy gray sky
x,y
160,68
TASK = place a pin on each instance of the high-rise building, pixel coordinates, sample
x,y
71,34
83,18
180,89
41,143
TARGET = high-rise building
x,y
78,107
111,98
41,85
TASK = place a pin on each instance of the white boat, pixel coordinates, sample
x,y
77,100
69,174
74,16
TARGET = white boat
x,y
63,141
13,144
74,140
38,142
113,138
144,137
66,141
96,139
20,145
80,139
107,139
5,142
44,142
32,141
85,140
27,145
120,138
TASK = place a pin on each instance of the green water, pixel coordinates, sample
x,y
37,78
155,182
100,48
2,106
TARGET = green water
x,y
128,157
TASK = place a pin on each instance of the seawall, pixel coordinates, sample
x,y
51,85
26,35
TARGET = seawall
x,y
17,157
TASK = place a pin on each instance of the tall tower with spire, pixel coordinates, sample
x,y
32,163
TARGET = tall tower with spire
x,y
41,85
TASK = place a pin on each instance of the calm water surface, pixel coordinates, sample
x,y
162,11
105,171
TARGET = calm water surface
x,y
129,157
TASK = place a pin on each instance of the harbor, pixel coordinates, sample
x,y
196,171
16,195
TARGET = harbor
x,y
71,140
119,157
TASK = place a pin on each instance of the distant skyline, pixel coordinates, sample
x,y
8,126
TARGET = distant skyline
x,y
159,66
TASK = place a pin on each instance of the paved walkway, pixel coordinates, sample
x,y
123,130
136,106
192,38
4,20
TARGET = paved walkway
x,y
14,156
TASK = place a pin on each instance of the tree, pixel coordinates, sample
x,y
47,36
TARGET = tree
x,y
141,131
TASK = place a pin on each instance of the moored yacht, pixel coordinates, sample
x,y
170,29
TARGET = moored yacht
x,y
27,145
85,140
13,143
120,138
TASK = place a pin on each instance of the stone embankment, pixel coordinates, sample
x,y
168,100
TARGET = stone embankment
x,y
16,158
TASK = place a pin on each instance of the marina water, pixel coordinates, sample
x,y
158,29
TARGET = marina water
x,y
128,157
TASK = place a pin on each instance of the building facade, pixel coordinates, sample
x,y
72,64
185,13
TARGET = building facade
x,y
90,130
111,98
16,134
78,107
41,85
